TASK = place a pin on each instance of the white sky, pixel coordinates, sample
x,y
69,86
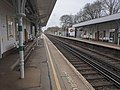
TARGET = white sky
x,y
64,7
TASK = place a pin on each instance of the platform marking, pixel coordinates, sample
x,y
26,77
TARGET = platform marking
x,y
71,81
53,68
69,78
85,82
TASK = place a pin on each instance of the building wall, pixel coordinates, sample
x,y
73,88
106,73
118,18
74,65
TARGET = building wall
x,y
6,42
103,34
26,28
9,35
99,31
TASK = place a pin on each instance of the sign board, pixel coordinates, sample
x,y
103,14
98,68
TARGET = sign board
x,y
118,34
71,31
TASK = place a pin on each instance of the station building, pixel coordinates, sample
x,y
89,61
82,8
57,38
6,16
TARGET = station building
x,y
37,14
105,29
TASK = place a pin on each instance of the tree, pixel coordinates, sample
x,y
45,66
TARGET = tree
x,y
66,20
90,11
97,6
110,6
80,17
52,30
93,10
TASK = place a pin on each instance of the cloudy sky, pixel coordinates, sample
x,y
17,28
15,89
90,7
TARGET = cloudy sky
x,y
63,7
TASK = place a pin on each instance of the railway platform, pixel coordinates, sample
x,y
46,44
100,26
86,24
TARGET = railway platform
x,y
109,49
94,42
45,69
100,43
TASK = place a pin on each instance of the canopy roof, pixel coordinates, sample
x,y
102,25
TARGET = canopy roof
x,y
43,9
99,20
37,11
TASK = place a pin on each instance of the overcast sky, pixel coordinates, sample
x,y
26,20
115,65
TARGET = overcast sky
x,y
64,7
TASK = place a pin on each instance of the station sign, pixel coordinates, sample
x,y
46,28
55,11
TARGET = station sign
x,y
119,34
71,31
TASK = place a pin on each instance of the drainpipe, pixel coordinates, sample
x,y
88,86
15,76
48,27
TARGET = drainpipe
x,y
118,41
36,33
36,29
75,32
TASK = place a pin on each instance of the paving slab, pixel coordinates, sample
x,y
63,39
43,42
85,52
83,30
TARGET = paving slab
x,y
32,79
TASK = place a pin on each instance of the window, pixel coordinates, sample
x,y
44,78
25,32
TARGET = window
x,y
10,27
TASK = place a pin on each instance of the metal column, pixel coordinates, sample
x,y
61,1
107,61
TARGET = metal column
x,y
21,47
118,36
20,8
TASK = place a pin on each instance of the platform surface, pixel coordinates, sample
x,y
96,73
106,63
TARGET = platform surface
x,y
45,69
36,71
68,77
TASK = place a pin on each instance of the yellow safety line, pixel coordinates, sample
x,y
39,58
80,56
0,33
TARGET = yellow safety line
x,y
53,69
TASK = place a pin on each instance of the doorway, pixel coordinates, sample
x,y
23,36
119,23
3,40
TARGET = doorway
x,y
97,35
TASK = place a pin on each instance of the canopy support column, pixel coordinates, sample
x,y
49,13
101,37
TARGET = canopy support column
x,y
20,9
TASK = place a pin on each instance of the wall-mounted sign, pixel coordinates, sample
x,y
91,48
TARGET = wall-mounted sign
x,y
119,34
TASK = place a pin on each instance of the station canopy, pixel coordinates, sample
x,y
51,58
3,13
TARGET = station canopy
x,y
109,18
38,11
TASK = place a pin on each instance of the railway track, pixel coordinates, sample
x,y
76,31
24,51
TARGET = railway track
x,y
110,62
114,62
98,74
